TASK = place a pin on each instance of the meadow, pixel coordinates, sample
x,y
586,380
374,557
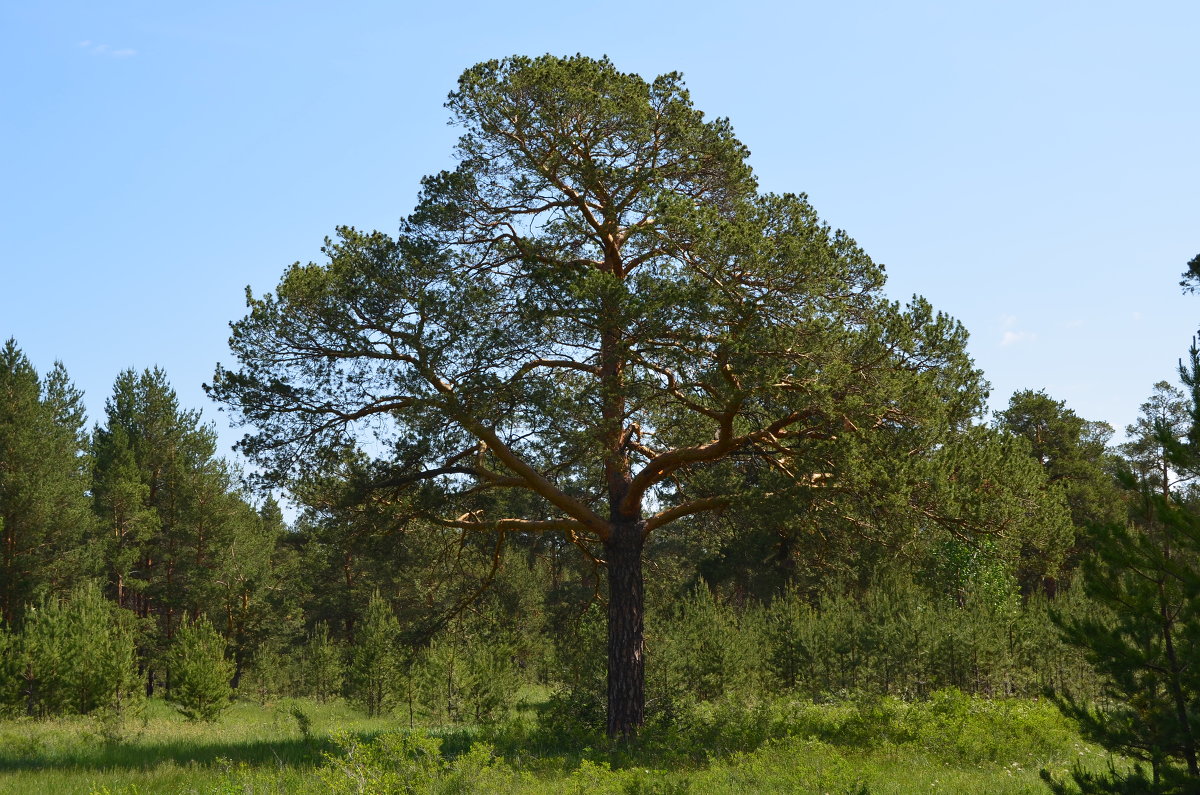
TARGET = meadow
x,y
951,742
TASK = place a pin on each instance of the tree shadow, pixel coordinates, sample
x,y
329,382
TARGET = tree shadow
x,y
147,755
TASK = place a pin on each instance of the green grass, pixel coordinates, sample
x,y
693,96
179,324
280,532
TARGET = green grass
x,y
952,743
165,753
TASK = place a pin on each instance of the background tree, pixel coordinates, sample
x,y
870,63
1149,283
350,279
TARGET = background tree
x,y
254,578
1073,451
172,516
592,309
1075,456
1162,423
44,516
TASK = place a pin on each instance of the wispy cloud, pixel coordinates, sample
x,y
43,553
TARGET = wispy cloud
x,y
1015,337
94,48
1012,335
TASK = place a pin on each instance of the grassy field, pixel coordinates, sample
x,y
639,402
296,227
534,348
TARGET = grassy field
x,y
952,744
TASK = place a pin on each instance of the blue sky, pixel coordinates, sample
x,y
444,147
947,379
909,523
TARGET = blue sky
x,y
1033,168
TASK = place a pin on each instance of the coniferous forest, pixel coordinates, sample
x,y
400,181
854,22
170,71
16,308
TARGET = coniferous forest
x,y
607,471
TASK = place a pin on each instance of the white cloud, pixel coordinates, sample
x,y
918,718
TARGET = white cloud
x,y
1014,337
103,49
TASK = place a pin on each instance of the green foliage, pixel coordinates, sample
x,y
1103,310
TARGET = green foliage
x,y
707,650
491,678
74,655
894,637
322,668
199,672
396,762
44,516
12,672
276,672
1143,647
467,673
1146,576
374,676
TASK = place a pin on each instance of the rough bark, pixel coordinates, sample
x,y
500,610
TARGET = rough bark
x,y
626,663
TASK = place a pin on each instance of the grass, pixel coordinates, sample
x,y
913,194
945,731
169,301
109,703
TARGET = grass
x,y
952,743
165,753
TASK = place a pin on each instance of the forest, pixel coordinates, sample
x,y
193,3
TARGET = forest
x,y
606,472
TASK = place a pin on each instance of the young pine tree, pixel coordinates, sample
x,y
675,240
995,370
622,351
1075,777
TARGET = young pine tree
x,y
74,655
323,669
1148,576
199,673
374,674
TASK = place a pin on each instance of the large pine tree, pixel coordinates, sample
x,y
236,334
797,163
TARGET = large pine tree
x,y
596,307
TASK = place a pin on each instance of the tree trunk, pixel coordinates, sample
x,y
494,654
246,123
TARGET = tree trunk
x,y
626,664
1175,686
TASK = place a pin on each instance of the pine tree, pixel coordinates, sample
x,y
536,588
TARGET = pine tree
x,y
595,326
77,655
1075,455
199,672
1147,576
323,669
250,574
374,675
170,514
44,516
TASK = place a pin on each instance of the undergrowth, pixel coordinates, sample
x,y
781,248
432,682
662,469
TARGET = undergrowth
x,y
950,742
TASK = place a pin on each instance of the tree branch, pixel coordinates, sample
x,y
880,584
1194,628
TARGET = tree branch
x,y
686,509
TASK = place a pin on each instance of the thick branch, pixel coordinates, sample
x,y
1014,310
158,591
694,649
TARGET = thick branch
x,y
569,526
686,509
535,480
561,363
662,466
